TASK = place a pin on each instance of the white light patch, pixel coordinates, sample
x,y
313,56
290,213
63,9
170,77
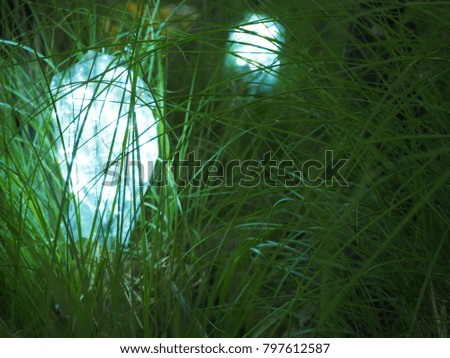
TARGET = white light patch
x,y
106,145
254,46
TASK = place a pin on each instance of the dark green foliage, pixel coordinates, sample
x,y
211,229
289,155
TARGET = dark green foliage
x,y
367,80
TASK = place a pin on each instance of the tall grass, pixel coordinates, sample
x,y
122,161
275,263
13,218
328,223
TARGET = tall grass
x,y
367,80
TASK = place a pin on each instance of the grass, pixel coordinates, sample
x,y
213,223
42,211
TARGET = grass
x,y
367,80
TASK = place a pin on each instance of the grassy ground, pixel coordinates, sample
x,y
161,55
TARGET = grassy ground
x,y
367,80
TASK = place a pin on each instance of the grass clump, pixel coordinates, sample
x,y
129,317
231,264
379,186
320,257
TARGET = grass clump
x,y
215,254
